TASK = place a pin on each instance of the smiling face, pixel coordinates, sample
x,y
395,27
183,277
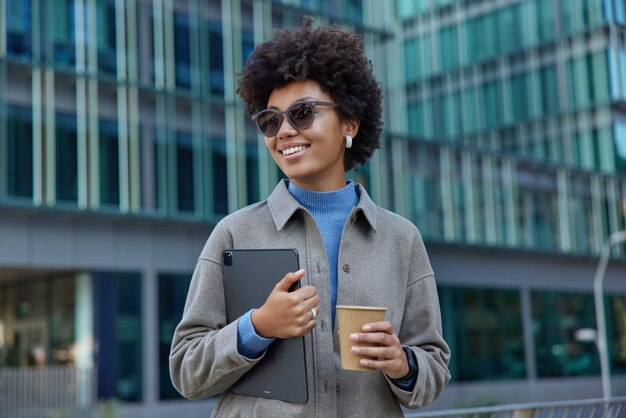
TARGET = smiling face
x,y
312,158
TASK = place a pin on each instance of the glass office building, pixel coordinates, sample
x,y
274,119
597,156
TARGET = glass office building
x,y
122,143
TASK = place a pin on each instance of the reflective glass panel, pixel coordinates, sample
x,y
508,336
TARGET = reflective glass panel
x,y
182,50
18,27
558,318
109,163
172,295
66,157
185,168
19,151
484,329
106,34
119,335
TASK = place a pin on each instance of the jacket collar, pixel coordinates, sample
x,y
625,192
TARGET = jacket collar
x,y
283,205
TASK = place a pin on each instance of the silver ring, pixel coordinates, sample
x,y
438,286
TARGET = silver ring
x,y
313,313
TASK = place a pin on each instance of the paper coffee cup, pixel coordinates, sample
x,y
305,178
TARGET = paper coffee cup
x,y
350,320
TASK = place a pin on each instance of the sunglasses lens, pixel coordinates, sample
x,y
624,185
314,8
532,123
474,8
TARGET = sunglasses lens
x,y
301,115
268,123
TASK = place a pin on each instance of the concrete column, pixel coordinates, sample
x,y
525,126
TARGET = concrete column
x,y
84,330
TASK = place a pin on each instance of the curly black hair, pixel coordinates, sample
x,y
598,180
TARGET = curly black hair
x,y
332,57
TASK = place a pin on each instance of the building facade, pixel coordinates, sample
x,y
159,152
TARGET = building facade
x,y
122,143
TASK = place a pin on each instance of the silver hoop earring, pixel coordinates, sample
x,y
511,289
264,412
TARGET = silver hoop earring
x,y
348,141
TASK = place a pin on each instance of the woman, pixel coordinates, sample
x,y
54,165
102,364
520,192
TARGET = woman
x,y
312,95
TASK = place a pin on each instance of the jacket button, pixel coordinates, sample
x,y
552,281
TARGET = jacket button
x,y
337,387
346,268
353,219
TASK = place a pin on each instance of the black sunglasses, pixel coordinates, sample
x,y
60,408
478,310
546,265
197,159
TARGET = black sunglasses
x,y
300,115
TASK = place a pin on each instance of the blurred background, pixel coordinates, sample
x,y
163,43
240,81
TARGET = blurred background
x,y
122,143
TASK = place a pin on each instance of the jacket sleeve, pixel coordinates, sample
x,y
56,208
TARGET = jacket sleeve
x,y
204,359
421,331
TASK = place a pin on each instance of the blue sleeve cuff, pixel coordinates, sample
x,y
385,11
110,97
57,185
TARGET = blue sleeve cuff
x,y
408,382
249,343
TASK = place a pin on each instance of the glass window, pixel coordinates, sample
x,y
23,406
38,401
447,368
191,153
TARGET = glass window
x,y
492,106
19,151
549,90
484,329
18,27
172,295
63,32
145,41
620,14
519,97
470,116
118,328
219,179
252,171
37,319
511,24
451,116
544,13
109,162
448,49
538,209
411,61
598,78
616,329
62,320
557,316
182,50
578,82
152,153
620,146
424,190
216,58
581,215
66,157
185,171
408,8
106,34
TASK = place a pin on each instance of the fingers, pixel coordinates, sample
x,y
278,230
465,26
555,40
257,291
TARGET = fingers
x,y
289,279
380,347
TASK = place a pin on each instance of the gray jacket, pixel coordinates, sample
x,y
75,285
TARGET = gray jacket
x,y
382,262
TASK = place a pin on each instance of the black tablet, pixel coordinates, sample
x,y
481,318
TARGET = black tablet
x,y
249,278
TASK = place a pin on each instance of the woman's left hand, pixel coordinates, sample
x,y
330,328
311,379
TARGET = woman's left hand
x,y
388,356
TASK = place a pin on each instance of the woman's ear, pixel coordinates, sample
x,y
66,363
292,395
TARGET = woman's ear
x,y
351,127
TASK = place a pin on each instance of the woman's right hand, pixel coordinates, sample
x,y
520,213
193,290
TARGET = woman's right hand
x,y
287,314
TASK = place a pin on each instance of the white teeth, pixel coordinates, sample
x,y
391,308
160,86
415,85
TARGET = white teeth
x,y
289,151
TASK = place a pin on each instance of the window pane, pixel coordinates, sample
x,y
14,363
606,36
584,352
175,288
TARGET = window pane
x,y
109,163
620,147
556,318
185,174
448,50
549,90
484,329
220,184
118,326
19,151
216,58
66,157
252,172
545,20
63,32
18,17
172,295
182,50
106,28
